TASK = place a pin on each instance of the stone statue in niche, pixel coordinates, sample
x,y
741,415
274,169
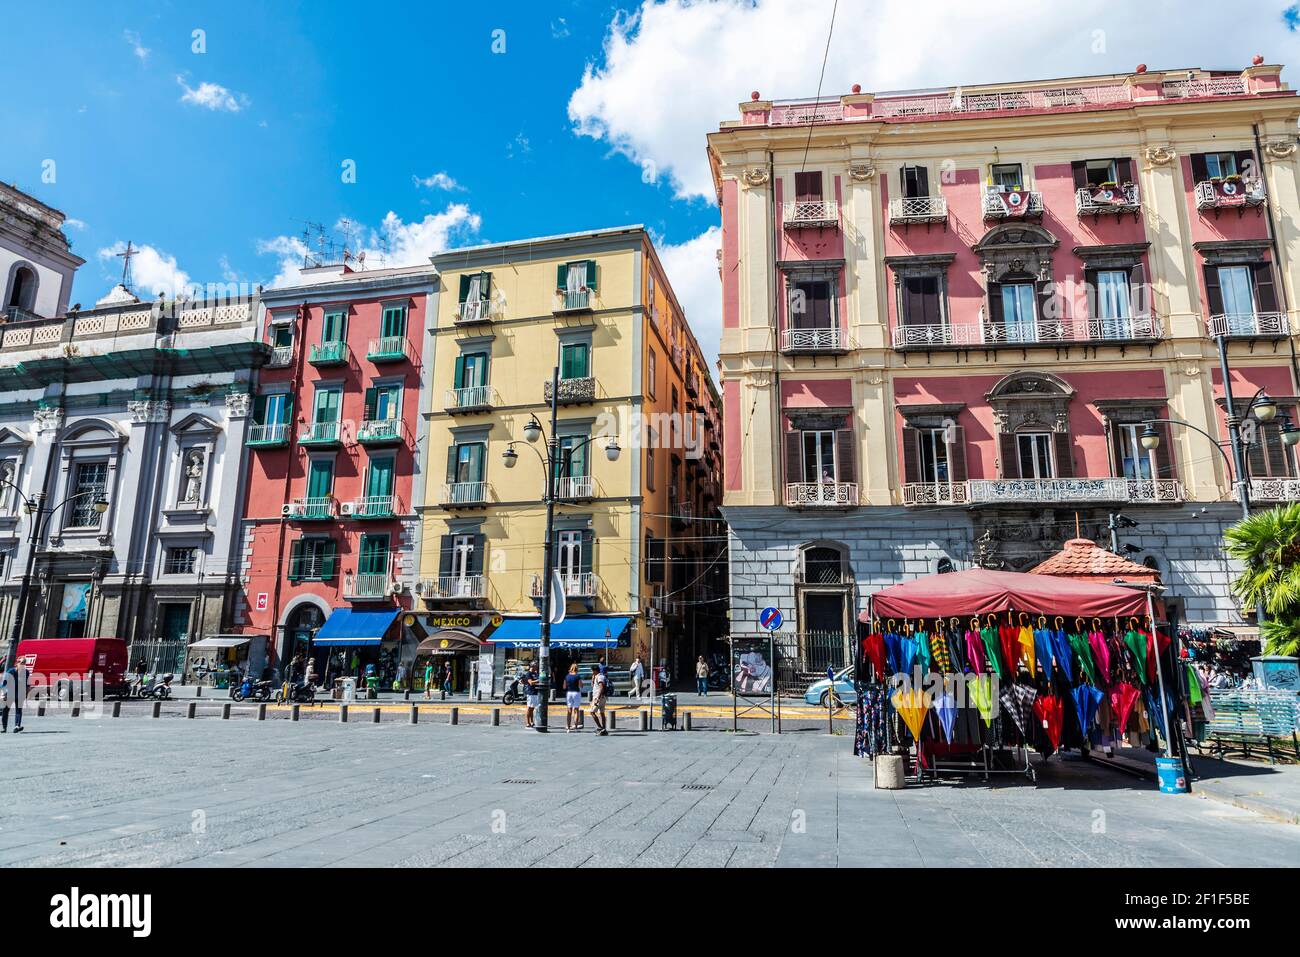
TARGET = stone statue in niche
x,y
193,487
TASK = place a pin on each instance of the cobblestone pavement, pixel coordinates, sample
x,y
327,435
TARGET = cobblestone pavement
x,y
135,791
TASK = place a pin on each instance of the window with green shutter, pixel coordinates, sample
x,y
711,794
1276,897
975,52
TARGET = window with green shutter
x,y
575,360
373,559
327,405
334,327
379,480
320,478
393,322
471,370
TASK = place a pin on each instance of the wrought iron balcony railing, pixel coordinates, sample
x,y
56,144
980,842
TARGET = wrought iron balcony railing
x,y
313,508
1098,200
373,507
821,495
1020,491
328,354
1246,325
936,493
269,434
470,397
1275,490
475,310
1013,204
320,433
812,340
573,300
389,349
810,212
367,586
575,487
576,585
281,356
918,209
572,390
1229,194
456,494
1045,331
453,587
379,431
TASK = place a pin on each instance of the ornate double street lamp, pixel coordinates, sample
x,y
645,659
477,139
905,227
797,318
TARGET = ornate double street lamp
x,y
552,463
40,520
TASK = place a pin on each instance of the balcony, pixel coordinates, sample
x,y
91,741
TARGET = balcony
x,y
474,310
1051,332
936,493
474,398
316,509
367,587
576,585
328,354
1100,200
910,210
572,390
281,356
1275,490
810,214
578,300
821,495
575,488
268,436
803,341
320,434
454,588
683,514
1073,490
372,507
1012,204
1223,194
389,349
464,494
380,432
1259,325
692,383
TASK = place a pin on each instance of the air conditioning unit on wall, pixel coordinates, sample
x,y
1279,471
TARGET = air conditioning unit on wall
x,y
397,588
347,508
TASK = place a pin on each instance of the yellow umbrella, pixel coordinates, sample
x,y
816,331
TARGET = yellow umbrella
x,y
981,690
913,705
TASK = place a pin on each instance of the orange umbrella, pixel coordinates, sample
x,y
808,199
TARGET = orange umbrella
x,y
913,705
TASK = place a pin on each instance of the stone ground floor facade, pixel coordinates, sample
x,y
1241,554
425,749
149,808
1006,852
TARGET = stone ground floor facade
x,y
820,567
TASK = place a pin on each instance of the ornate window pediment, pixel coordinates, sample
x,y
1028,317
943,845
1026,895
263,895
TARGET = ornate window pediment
x,y
1031,401
1019,249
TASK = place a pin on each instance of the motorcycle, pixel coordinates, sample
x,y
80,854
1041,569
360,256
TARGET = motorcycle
x,y
158,687
252,690
304,693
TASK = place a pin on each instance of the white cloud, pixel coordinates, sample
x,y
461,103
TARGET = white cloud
x,y
212,96
154,273
228,273
692,269
560,29
394,243
73,223
438,180
647,97
139,49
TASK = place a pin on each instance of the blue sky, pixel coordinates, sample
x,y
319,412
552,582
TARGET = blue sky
x,y
594,115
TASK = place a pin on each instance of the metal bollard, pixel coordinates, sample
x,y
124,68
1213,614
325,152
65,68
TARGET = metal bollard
x,y
454,716
496,717
117,709
293,712
40,708
157,709
76,709
613,719
343,714
374,716
198,691
225,711
261,712
645,719
686,720
190,709
408,694
415,713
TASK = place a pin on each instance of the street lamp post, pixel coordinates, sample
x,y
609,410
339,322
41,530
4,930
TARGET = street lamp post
x,y
550,462
40,518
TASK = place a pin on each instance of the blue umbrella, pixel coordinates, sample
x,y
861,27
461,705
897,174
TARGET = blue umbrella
x,y
1043,650
893,649
945,705
1086,699
1061,647
907,648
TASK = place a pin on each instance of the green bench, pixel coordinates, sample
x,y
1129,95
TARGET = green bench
x,y
1242,718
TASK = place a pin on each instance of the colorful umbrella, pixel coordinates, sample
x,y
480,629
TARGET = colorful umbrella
x,y
912,705
939,653
1151,652
1007,638
989,638
906,652
1026,641
1049,711
1136,643
893,646
1061,651
1100,654
975,651
923,652
1079,644
1018,701
945,706
981,690
873,646
1086,699
1122,698
1043,650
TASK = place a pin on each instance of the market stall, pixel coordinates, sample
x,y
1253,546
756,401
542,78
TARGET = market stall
x,y
973,671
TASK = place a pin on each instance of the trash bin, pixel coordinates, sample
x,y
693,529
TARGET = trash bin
x,y
1169,772
349,689
372,687
668,711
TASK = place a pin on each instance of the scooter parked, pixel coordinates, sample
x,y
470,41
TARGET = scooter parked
x,y
304,693
158,687
252,690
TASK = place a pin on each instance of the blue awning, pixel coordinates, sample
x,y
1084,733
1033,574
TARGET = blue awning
x,y
578,632
349,626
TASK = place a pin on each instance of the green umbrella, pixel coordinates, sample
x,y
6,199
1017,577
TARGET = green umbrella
x,y
1137,643
1083,653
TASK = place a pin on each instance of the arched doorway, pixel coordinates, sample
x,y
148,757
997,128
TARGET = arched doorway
x,y
824,595
302,623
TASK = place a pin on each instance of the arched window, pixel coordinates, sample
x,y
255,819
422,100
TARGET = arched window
x,y
22,289
823,565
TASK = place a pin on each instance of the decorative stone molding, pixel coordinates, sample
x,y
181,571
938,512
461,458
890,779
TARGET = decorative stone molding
x,y
48,420
148,410
1280,148
1191,371
755,176
1159,155
1021,249
238,404
862,172
1031,401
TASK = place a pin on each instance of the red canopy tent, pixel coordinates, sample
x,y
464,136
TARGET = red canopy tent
x,y
982,592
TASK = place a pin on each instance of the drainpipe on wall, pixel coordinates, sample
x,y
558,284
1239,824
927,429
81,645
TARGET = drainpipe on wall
x,y
775,279
1273,244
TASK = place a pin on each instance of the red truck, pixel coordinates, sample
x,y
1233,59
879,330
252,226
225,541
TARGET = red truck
x,y
56,664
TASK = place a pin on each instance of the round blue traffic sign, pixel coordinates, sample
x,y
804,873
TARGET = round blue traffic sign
x,y
770,619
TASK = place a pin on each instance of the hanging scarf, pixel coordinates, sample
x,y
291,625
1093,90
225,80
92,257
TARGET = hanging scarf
x,y
1083,654
975,651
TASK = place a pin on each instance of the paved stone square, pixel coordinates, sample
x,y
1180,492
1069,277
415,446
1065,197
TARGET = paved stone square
x,y
134,791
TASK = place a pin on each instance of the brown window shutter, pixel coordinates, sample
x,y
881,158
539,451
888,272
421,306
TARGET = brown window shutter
x,y
911,468
793,457
922,181
1139,297
1080,170
1164,452
1265,291
1090,290
1124,170
995,304
1246,159
844,443
1064,454
957,454
1213,291
808,187
1200,171
1255,461
1009,453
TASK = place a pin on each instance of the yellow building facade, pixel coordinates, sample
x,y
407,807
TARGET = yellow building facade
x,y
595,308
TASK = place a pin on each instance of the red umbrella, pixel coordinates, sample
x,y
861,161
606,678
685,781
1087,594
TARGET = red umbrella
x,y
873,646
1009,639
1050,712
1122,698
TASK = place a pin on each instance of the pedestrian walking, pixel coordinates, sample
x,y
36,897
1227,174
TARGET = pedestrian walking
x,y
572,699
446,680
13,690
532,693
428,680
599,692
702,677
637,674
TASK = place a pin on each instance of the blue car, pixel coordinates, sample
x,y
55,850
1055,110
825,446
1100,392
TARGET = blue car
x,y
818,690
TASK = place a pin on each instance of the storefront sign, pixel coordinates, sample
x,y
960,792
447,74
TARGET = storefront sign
x,y
263,600
470,622
485,674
